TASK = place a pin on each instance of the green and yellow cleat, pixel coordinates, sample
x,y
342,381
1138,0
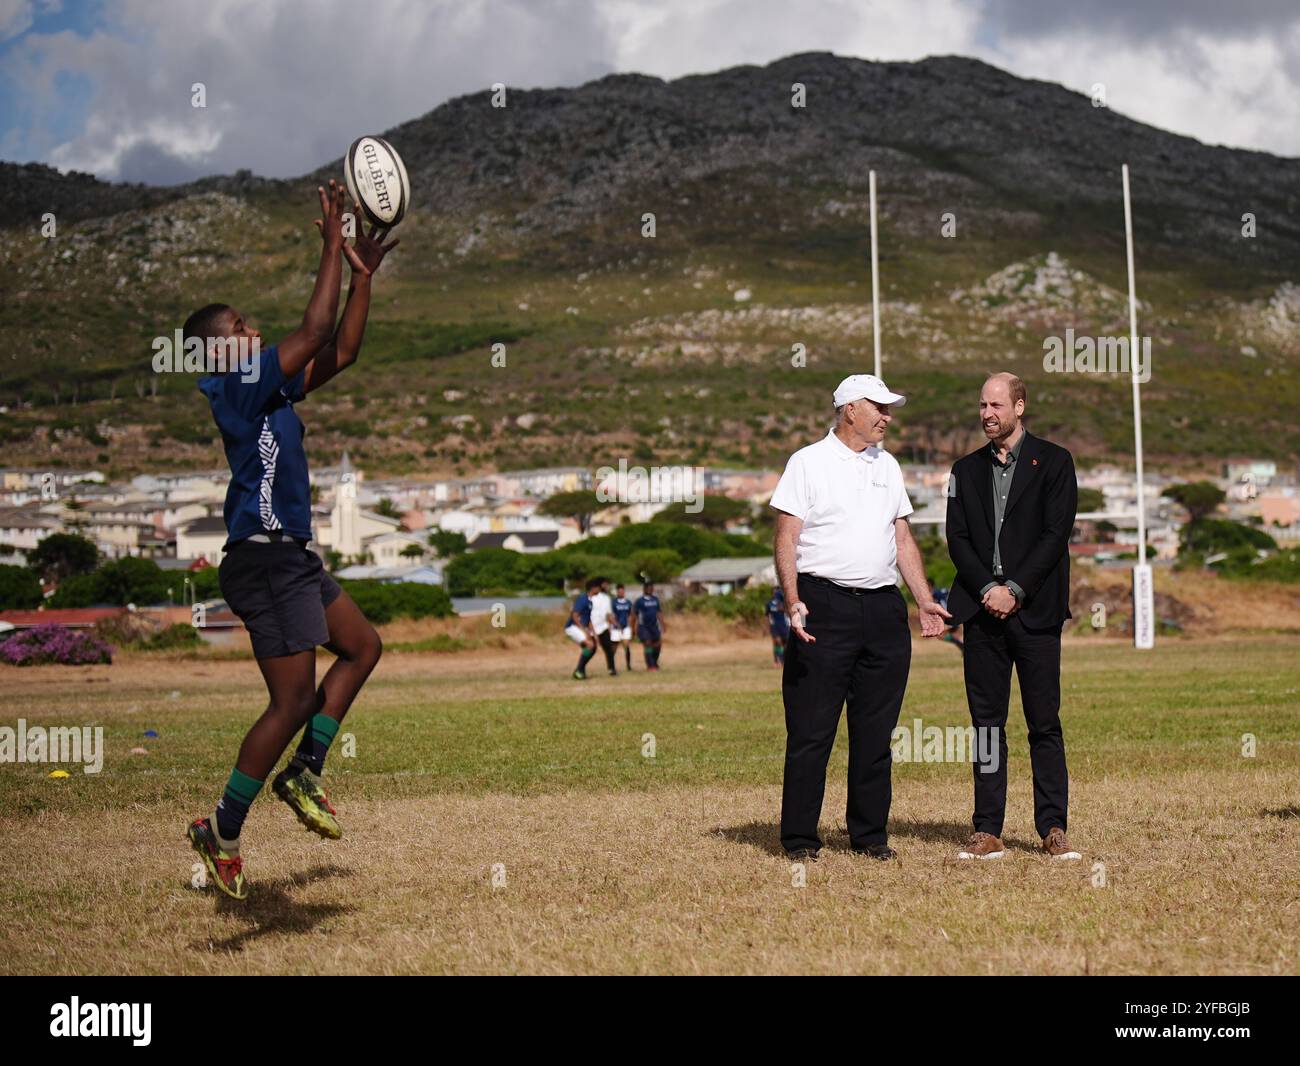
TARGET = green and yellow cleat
x,y
225,869
301,790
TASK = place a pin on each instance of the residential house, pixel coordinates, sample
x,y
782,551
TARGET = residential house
x,y
720,576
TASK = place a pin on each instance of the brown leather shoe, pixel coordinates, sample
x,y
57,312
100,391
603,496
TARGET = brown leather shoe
x,y
1057,846
982,846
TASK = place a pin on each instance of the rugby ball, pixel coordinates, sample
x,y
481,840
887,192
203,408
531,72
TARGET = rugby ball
x,y
377,180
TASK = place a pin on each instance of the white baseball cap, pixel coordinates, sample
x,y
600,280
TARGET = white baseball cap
x,y
866,386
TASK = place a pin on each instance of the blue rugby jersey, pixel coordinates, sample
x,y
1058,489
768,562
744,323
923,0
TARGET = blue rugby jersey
x,y
777,621
269,487
582,607
647,612
622,611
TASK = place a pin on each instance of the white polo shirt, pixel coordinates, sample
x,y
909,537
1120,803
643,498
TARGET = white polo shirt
x,y
848,502
601,607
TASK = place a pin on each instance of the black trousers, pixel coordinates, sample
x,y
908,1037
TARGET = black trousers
x,y
607,646
993,646
862,654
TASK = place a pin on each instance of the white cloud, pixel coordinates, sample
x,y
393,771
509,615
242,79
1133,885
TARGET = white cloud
x,y
1222,91
290,84
16,16
672,38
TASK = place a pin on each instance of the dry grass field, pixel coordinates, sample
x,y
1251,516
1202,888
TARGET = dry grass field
x,y
501,818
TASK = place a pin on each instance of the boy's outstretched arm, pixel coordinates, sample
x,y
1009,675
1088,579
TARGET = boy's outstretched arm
x,y
317,327
364,257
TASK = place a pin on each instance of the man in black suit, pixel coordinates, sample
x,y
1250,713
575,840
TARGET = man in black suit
x,y
1011,509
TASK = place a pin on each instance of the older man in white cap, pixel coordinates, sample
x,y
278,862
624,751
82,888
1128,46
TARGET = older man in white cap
x,y
842,537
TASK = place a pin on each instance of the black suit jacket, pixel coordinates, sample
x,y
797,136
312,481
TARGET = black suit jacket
x,y
1036,530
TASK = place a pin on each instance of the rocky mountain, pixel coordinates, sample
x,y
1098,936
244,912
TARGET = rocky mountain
x,y
528,223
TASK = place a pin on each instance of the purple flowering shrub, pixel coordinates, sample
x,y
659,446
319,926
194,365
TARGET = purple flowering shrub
x,y
53,643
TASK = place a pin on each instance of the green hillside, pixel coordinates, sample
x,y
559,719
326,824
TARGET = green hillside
x,y
619,344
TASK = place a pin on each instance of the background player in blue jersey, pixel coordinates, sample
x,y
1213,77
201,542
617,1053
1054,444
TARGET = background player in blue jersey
x,y
648,625
579,630
623,622
949,630
269,577
778,624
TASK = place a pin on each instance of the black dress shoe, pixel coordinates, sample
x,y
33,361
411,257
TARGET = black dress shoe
x,y
882,852
802,855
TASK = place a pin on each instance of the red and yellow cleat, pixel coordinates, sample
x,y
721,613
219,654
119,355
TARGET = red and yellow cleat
x,y
225,869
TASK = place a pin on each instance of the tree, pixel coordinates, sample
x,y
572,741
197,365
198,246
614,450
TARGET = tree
x,y
489,568
1218,535
63,555
716,512
579,505
412,551
20,588
387,508
1090,500
1200,498
447,543
127,580
657,564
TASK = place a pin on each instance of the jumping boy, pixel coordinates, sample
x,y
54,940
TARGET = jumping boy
x,y
269,576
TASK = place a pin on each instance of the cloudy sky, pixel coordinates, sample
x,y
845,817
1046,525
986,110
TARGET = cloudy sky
x,y
104,85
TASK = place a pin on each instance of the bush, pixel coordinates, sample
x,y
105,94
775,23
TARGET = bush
x,y
20,588
124,630
1246,564
382,602
662,550
54,644
129,580
748,605
131,631
489,567
938,564
1208,535
177,635
205,584
691,543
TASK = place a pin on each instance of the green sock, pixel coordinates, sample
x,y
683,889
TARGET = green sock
x,y
316,741
233,806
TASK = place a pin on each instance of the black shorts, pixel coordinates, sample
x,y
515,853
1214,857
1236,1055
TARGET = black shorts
x,y
279,591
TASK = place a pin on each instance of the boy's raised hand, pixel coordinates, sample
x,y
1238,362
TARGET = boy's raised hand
x,y
365,255
330,223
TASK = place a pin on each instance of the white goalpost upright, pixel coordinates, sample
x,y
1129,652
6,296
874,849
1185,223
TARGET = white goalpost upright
x,y
1144,623
875,273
